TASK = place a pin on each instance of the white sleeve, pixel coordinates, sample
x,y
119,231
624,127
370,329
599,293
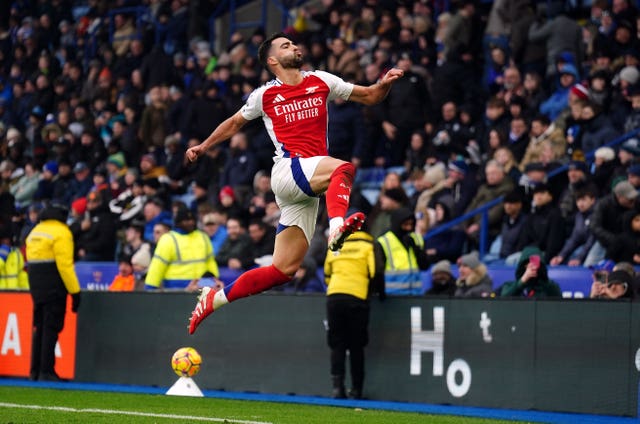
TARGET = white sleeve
x,y
337,86
252,109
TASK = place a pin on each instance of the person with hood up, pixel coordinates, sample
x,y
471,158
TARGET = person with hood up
x,y
473,279
532,278
401,249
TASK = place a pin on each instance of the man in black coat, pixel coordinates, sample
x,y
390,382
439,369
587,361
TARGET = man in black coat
x,y
544,228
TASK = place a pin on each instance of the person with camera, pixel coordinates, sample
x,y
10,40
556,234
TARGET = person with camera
x,y
532,278
49,249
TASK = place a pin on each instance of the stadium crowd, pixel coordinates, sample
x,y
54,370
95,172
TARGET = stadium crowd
x,y
99,102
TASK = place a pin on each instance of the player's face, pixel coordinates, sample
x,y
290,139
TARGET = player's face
x,y
287,53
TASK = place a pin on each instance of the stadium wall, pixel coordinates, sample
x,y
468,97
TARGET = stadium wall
x,y
578,356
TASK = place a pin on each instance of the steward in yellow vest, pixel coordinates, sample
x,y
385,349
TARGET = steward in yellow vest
x,y
51,276
12,273
181,256
349,276
402,251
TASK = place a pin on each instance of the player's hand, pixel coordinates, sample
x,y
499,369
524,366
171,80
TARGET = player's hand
x,y
193,153
391,75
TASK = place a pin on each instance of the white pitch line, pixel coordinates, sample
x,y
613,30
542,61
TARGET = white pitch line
x,y
132,413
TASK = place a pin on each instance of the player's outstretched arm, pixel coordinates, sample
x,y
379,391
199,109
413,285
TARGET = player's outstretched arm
x,y
375,93
224,131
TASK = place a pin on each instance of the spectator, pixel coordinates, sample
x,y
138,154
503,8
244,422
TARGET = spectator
x,y
26,186
532,279
392,196
473,279
235,252
542,129
559,99
182,255
544,227
214,223
263,238
154,212
597,128
461,184
129,204
240,167
578,176
618,285
518,139
401,250
411,95
497,184
82,181
626,246
262,194
513,222
350,277
96,238
604,167
46,182
124,279
63,183
577,246
449,243
136,248
443,283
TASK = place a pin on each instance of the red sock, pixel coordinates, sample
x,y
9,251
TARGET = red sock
x,y
255,281
339,190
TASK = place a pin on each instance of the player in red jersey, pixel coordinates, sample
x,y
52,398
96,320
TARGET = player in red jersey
x,y
293,107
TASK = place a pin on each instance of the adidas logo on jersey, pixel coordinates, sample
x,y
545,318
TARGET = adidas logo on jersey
x,y
279,98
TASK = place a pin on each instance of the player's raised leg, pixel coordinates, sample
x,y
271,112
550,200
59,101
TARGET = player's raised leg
x,y
336,177
290,247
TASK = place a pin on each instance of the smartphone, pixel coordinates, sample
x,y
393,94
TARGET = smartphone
x,y
535,260
601,276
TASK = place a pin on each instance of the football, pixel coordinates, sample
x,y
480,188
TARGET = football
x,y
186,362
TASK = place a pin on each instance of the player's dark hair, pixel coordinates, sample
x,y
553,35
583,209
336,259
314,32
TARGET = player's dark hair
x,y
263,50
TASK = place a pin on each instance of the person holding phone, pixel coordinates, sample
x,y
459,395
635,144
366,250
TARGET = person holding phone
x,y
532,278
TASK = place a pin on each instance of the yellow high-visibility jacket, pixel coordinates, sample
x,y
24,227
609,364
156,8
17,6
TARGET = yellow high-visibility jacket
x,y
180,258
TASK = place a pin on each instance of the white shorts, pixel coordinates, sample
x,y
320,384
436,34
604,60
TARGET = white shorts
x,y
290,183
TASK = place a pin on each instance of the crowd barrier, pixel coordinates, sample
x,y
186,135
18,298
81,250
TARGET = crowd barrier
x,y
580,356
574,282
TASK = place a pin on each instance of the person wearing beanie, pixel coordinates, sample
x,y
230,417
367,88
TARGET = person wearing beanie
x,y
402,252
532,278
46,182
473,278
182,255
443,283
294,110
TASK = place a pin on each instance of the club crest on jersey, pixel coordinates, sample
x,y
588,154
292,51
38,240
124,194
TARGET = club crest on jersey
x,y
311,89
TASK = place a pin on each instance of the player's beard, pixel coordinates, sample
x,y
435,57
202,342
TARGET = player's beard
x,y
292,62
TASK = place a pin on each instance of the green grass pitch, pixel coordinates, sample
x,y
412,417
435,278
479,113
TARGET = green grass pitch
x,y
35,405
